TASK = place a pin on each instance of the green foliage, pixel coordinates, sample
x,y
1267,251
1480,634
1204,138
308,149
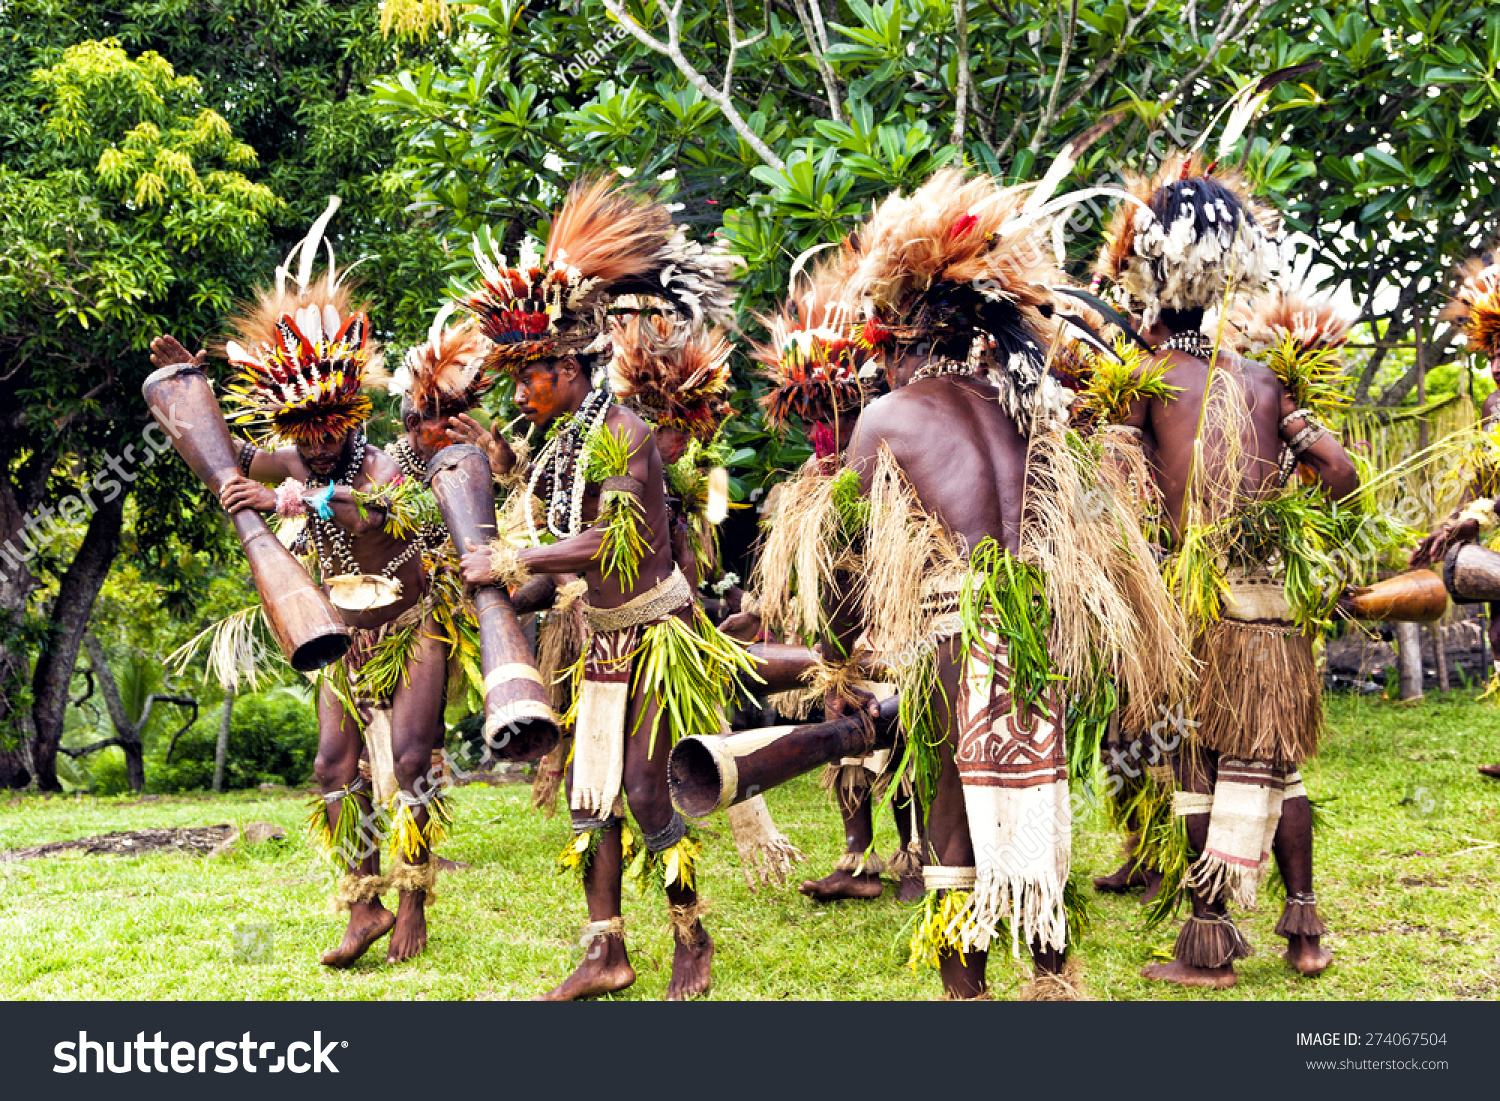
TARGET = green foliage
x,y
273,739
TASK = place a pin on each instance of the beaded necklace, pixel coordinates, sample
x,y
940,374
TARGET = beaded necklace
x,y
336,556
554,478
1193,343
937,368
432,536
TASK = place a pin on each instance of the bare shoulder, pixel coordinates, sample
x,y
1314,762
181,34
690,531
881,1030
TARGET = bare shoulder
x,y
621,419
379,467
1490,409
890,418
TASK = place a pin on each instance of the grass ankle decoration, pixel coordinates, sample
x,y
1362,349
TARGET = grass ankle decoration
x,y
408,839
936,928
676,866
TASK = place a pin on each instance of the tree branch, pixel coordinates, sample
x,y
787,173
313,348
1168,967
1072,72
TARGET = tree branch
x,y
180,701
810,31
107,686
1044,124
961,93
1223,35
1127,37
672,49
94,748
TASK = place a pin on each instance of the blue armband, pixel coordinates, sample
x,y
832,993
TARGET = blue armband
x,y
319,502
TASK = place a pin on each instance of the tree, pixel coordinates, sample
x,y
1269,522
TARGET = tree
x,y
127,215
290,79
129,712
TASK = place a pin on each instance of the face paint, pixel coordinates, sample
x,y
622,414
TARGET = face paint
x,y
537,395
431,437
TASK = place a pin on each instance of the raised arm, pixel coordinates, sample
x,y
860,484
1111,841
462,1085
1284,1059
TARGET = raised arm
x,y
579,553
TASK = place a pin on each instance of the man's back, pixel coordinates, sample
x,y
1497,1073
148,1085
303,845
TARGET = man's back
x,y
962,453
1170,427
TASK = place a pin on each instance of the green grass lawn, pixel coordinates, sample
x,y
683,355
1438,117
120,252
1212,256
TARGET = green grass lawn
x,y
1407,889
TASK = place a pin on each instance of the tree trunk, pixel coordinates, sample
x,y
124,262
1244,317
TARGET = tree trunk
x,y
70,617
221,748
1439,656
135,764
16,584
1409,659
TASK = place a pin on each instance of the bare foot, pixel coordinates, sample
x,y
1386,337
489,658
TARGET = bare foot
x,y
691,965
1492,771
912,888
368,922
604,970
410,936
445,865
1307,956
1154,880
1129,876
841,885
1217,978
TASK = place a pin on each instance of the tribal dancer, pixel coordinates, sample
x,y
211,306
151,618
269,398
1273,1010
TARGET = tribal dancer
x,y
601,512
680,388
822,377
1476,310
963,494
438,383
301,357
1224,444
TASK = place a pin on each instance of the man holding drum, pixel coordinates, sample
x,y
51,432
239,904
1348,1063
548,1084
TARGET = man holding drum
x,y
598,509
301,357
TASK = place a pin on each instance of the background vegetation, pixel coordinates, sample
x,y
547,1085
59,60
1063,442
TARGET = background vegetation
x,y
161,155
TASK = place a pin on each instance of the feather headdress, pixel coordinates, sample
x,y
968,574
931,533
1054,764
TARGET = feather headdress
x,y
1476,305
446,374
936,264
956,264
1194,232
819,372
671,383
606,241
301,355
1298,334
1314,322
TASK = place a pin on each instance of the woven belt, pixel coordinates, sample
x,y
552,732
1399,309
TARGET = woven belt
x,y
651,606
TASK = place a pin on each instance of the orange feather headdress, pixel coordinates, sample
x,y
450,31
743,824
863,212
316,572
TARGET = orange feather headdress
x,y
301,356
936,263
1314,321
605,242
671,383
446,374
819,371
1476,305
1192,230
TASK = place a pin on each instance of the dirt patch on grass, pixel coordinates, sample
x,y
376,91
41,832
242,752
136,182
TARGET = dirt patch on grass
x,y
190,839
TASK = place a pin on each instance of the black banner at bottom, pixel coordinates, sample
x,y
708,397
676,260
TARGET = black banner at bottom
x,y
743,1049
